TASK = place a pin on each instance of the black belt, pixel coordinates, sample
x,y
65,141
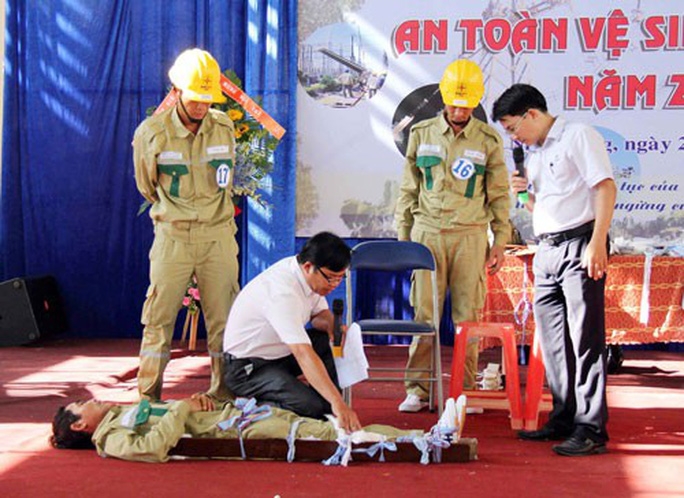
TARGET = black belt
x,y
249,359
556,238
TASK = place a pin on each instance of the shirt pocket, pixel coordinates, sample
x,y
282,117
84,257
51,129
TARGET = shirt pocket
x,y
173,173
220,167
430,163
466,178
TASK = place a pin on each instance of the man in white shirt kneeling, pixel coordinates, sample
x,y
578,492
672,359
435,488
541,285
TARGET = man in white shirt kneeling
x,y
266,345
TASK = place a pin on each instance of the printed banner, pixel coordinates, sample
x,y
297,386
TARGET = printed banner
x,y
367,73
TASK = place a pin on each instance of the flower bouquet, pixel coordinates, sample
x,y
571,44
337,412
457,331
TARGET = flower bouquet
x,y
191,301
254,147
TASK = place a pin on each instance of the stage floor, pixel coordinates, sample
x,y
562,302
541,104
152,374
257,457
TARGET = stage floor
x,y
646,450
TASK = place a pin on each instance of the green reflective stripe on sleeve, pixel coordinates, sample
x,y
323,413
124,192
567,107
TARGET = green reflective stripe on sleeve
x,y
158,412
175,171
470,188
427,162
215,163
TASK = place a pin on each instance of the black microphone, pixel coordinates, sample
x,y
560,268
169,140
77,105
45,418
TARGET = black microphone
x,y
337,309
519,159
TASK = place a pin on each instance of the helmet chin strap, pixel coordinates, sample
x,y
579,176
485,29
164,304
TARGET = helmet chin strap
x,y
460,124
187,114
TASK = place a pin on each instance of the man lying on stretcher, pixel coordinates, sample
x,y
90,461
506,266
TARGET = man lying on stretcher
x,y
149,431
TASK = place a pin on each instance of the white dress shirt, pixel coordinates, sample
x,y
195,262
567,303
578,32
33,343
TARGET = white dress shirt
x,y
563,172
271,312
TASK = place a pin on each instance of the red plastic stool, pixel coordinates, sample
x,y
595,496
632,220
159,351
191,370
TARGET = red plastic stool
x,y
508,400
535,400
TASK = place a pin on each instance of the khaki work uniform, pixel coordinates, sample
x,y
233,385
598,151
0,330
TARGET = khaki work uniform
x,y
148,434
188,180
454,188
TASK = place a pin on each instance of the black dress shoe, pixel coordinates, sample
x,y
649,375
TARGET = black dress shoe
x,y
578,445
544,434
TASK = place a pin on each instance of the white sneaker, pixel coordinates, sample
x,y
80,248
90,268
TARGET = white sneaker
x,y
412,404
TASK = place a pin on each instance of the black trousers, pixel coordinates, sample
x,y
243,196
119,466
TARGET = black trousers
x,y
569,310
276,381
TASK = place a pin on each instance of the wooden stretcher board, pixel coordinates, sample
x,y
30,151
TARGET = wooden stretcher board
x,y
312,451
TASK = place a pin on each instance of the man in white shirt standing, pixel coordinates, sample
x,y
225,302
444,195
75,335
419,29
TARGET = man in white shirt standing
x,y
572,197
266,345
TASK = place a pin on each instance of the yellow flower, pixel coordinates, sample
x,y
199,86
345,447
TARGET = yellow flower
x,y
238,134
242,128
235,114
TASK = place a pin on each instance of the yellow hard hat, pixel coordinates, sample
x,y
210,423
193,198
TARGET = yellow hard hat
x,y
198,75
462,84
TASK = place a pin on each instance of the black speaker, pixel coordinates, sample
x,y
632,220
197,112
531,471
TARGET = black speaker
x,y
30,309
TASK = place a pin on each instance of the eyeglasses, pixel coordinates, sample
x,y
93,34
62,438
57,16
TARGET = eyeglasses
x,y
512,130
330,279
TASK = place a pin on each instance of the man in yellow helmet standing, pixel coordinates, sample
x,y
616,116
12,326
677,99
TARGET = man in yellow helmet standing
x,y
184,159
454,188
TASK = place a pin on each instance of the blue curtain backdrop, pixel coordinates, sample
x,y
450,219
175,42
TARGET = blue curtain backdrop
x,y
79,76
268,233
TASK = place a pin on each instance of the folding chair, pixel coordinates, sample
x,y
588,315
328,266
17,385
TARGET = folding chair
x,y
398,256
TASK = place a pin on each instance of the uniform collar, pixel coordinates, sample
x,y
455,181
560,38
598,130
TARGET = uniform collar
x,y
445,127
180,128
103,426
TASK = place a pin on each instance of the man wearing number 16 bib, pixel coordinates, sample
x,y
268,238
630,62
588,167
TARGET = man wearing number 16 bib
x,y
454,189
184,160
